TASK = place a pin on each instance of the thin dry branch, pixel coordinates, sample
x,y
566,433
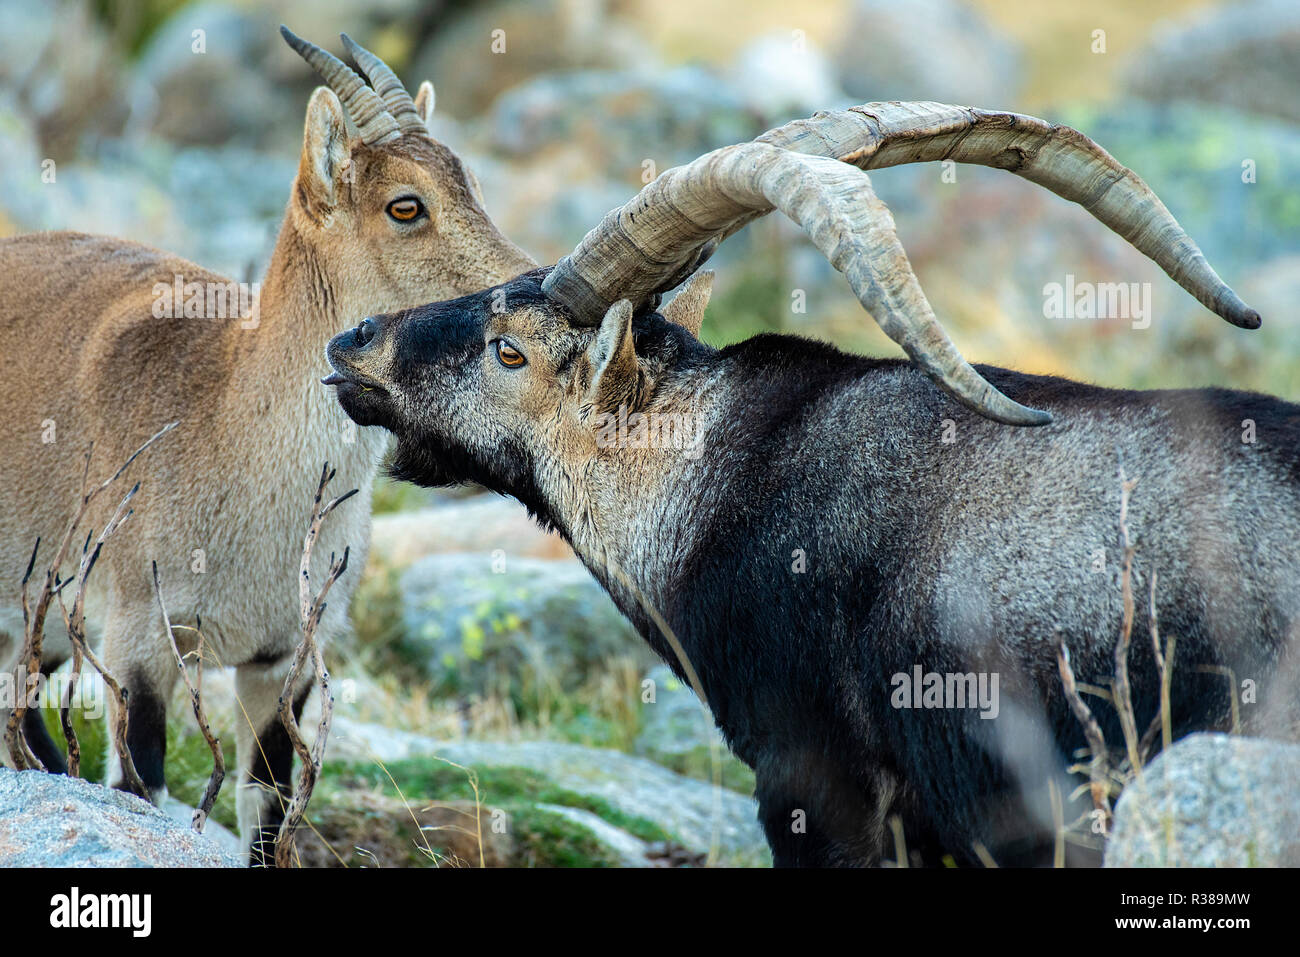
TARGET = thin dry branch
x,y
1099,766
1108,777
1123,690
75,623
65,714
311,608
196,700
33,633
1162,721
34,616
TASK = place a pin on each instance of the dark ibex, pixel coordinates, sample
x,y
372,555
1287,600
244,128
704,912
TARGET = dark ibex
x,y
813,551
382,220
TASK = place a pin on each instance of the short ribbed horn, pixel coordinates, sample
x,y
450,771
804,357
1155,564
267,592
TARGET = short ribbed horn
x,y
363,104
399,103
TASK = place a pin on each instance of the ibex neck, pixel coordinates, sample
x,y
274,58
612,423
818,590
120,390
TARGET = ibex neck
x,y
627,511
277,365
299,300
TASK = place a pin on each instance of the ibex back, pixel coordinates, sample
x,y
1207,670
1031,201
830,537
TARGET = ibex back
x,y
105,341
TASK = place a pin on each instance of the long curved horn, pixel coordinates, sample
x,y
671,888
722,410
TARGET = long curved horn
x,y
650,244
362,103
399,103
1059,158
685,207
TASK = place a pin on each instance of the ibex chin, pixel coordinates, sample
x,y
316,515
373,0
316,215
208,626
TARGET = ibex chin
x,y
813,550
383,219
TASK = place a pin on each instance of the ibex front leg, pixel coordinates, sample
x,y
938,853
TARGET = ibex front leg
x,y
137,654
265,754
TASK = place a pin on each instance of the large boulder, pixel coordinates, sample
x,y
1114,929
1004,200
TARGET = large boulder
x,y
942,50
202,79
492,47
50,820
674,722
697,815
1243,55
480,524
1212,800
521,627
60,65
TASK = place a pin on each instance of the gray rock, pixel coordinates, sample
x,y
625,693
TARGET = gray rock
x,y
628,850
1245,55
49,820
695,812
214,89
519,626
219,207
940,50
571,146
221,836
58,62
540,36
781,76
1212,800
624,116
675,722
480,524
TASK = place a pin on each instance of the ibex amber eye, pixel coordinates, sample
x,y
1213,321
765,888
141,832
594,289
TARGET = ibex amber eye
x,y
509,356
405,210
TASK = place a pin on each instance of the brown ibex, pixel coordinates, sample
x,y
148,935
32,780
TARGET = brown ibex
x,y
101,346
811,554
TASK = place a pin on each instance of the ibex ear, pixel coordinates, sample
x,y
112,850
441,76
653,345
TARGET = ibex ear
x,y
475,188
687,307
325,154
616,377
424,99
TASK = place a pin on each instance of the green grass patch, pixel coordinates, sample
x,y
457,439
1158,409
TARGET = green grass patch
x,y
515,789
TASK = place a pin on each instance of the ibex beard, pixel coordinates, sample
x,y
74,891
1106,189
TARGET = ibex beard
x,y
829,540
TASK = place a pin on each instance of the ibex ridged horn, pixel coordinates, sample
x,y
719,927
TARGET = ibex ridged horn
x,y
1059,158
368,112
804,169
400,105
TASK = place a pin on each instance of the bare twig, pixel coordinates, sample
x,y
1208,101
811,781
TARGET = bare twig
x,y
65,714
1107,775
311,609
900,841
1165,668
1123,690
196,700
1099,765
33,632
75,622
1058,820
34,616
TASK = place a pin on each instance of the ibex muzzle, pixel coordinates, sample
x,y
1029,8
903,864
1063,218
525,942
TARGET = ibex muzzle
x,y
850,538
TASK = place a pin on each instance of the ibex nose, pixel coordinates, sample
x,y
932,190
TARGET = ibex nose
x,y
364,332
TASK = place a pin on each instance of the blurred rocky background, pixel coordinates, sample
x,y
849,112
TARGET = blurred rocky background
x,y
487,671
